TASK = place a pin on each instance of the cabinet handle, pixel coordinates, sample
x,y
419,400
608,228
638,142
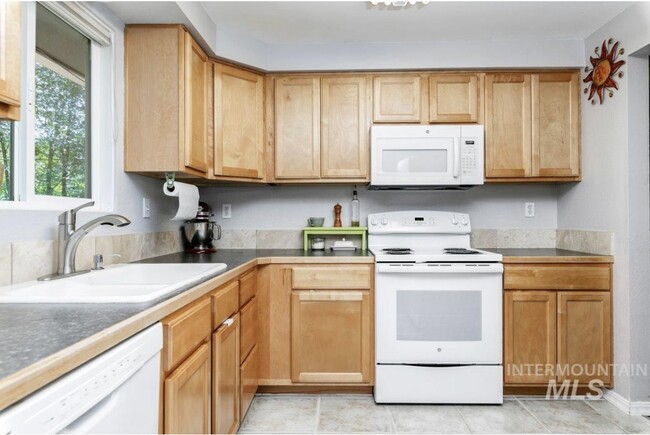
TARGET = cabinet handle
x,y
229,322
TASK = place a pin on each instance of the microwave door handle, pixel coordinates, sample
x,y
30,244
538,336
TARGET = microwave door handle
x,y
456,158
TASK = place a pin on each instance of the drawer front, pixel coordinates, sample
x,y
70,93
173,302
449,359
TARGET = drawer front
x,y
247,287
556,277
249,315
184,331
225,303
330,278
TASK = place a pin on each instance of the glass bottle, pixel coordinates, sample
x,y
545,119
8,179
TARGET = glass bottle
x,y
354,206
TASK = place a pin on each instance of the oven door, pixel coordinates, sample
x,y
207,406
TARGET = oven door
x,y
401,157
438,313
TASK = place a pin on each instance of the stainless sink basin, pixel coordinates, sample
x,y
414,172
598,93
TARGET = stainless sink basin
x,y
123,283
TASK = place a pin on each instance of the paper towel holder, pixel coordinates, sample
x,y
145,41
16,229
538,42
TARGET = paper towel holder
x,y
169,180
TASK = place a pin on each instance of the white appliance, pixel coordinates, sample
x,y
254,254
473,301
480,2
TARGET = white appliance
x,y
116,392
438,305
426,156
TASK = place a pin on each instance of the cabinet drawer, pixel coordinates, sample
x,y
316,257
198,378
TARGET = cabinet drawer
x,y
184,331
556,277
225,303
247,287
334,277
249,315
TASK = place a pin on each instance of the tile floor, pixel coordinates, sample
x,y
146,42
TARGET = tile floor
x,y
360,414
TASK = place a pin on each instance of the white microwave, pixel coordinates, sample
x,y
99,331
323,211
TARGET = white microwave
x,y
426,156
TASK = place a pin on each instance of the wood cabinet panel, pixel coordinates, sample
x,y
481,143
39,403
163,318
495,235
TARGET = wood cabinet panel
x,y
225,377
453,98
184,331
584,336
344,127
10,59
556,125
249,381
529,332
187,395
297,127
331,277
507,125
249,325
557,277
239,122
225,303
196,106
397,98
331,337
247,287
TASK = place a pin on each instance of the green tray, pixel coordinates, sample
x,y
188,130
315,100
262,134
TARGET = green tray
x,y
336,231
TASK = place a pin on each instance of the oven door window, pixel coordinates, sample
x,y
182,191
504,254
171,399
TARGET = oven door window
x,y
446,315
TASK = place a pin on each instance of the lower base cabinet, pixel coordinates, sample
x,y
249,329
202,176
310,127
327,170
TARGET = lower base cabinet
x,y
225,377
249,375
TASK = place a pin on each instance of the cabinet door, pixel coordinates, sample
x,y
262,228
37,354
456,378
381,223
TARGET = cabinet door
x,y
529,336
344,123
238,122
10,52
330,336
187,395
249,381
584,336
396,98
225,377
453,98
297,127
507,125
556,124
196,106
248,338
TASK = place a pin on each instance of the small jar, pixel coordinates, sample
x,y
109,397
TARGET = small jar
x,y
317,244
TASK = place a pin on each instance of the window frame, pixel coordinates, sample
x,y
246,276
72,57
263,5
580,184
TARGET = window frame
x,y
103,126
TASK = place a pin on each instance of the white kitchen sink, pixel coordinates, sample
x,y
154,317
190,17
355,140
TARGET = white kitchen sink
x,y
122,283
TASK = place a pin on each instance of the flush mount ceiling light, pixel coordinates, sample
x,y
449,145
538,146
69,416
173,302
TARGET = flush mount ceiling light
x,y
398,3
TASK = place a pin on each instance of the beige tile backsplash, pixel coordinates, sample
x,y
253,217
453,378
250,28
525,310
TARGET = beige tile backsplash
x,y
25,261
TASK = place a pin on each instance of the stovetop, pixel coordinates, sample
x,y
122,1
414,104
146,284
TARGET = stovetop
x,y
433,255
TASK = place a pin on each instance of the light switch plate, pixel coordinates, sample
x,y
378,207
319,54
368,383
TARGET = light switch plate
x,y
146,208
529,210
226,211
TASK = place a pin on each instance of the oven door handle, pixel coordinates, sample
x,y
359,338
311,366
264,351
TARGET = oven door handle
x,y
440,268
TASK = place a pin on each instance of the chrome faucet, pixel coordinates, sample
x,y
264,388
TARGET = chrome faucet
x,y
70,237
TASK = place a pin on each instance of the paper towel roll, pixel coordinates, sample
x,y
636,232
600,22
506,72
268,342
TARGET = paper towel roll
x,y
188,200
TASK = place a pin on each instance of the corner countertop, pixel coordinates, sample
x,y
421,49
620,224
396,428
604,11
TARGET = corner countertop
x,y
549,255
41,342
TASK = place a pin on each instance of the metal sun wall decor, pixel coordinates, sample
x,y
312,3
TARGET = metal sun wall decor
x,y
604,69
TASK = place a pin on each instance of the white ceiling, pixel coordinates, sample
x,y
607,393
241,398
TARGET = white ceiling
x,y
307,22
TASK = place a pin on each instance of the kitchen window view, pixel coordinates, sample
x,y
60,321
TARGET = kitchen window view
x,y
6,155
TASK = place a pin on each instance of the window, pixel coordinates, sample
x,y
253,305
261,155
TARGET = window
x,y
60,153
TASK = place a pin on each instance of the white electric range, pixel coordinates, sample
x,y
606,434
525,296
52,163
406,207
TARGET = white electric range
x,y
438,305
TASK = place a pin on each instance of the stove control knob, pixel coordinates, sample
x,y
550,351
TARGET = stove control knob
x,y
384,221
465,221
454,220
373,221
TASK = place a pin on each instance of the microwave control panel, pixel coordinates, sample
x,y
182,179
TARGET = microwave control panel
x,y
471,157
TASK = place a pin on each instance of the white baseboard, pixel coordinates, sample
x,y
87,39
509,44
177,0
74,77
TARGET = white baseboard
x,y
632,408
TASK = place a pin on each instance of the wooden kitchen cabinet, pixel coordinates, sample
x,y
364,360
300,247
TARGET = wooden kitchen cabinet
x,y
238,122
557,316
297,127
453,98
10,61
187,395
166,74
532,127
397,98
529,331
584,336
225,377
345,112
249,380
330,336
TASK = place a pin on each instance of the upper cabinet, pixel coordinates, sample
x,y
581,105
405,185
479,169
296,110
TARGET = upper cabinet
x,y
10,51
238,123
453,98
397,98
166,75
322,128
532,127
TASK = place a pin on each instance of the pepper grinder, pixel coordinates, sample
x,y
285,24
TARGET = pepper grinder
x,y
337,215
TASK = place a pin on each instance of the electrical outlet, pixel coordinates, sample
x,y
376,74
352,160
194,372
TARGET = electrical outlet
x,y
146,208
226,211
529,210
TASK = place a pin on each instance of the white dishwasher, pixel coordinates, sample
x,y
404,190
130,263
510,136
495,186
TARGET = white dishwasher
x,y
116,392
